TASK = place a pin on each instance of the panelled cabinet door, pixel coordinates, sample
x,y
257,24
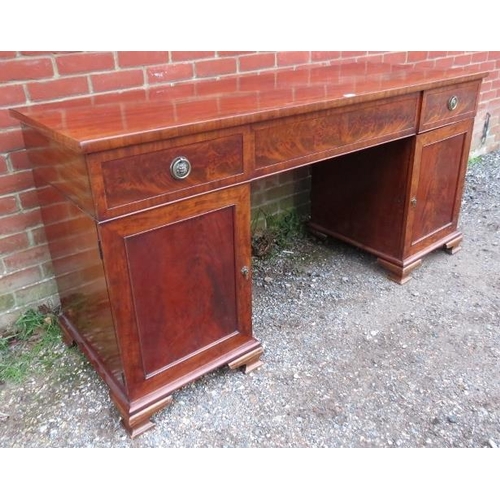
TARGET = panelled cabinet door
x,y
179,281
439,168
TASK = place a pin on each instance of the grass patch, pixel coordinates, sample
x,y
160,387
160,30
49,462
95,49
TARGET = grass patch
x,y
29,345
473,161
271,232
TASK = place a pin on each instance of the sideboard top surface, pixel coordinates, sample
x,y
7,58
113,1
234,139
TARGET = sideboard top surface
x,y
103,122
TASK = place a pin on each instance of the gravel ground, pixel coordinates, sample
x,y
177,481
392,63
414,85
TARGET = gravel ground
x,y
351,359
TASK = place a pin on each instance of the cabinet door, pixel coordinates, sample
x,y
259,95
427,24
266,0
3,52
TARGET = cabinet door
x,y
180,288
438,176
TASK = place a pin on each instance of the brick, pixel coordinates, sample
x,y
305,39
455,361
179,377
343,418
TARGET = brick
x,y
7,319
20,160
479,57
488,96
8,205
117,80
215,67
25,69
14,281
29,199
15,182
474,67
328,55
36,292
37,52
11,94
47,269
18,222
13,243
7,121
490,67
170,73
394,58
463,60
4,54
61,87
256,61
495,83
141,58
27,258
11,139
435,54
443,63
298,200
85,62
417,55
485,86
38,235
291,58
7,302
233,53
428,64
375,58
191,55
351,54
3,165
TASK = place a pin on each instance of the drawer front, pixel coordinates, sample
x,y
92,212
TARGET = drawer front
x,y
448,105
320,135
150,174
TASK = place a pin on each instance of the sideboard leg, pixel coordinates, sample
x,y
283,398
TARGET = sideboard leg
x,y
137,423
250,361
399,274
454,245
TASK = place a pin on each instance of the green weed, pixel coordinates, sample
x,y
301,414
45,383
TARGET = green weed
x,y
473,161
275,231
29,344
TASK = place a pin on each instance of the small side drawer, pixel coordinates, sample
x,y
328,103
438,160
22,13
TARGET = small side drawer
x,y
448,105
149,174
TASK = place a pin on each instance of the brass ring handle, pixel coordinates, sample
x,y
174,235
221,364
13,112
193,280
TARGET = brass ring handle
x,y
453,102
180,168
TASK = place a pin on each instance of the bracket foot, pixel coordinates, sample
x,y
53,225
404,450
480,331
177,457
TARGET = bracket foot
x,y
250,361
137,423
453,246
399,274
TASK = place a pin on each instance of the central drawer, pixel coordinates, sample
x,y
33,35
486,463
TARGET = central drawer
x,y
150,174
315,136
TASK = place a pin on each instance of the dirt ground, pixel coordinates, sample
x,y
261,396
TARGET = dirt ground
x,y
352,360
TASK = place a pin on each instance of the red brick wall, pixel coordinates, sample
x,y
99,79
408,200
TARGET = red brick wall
x,y
38,77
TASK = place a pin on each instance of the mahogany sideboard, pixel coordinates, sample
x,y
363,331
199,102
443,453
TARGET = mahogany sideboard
x,y
145,198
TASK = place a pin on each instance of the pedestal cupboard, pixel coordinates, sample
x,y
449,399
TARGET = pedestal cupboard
x,y
146,203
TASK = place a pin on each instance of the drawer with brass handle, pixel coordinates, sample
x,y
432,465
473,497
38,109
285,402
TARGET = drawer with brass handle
x,y
173,171
448,105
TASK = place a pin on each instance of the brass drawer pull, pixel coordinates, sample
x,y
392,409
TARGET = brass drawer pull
x,y
180,168
453,103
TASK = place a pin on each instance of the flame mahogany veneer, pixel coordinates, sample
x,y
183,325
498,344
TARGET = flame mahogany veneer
x,y
154,272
